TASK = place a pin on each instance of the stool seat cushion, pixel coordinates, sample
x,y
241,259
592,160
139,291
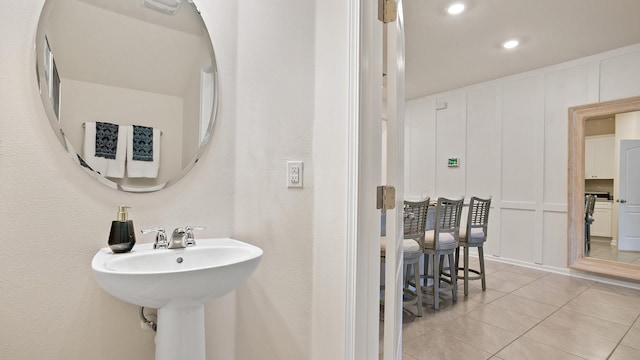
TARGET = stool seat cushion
x,y
408,245
477,236
446,240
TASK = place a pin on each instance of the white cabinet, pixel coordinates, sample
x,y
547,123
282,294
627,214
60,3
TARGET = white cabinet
x,y
598,157
601,219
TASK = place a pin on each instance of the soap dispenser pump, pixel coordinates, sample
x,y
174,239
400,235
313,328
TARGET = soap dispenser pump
x,y
122,236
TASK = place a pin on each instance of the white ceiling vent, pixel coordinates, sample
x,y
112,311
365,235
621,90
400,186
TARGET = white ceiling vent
x,y
165,6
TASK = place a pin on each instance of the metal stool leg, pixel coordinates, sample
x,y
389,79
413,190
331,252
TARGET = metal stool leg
x,y
436,282
481,255
466,271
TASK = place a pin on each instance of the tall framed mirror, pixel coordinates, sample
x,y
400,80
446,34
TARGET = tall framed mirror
x,y
625,186
129,87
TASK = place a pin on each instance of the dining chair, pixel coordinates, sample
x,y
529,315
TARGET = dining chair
x,y
442,241
414,221
474,234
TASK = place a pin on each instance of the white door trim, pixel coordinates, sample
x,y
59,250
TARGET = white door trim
x,y
395,176
351,305
364,162
364,174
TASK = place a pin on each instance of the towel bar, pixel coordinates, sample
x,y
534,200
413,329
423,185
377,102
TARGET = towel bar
x,y
83,125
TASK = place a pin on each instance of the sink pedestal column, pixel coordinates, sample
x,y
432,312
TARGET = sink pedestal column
x,y
180,333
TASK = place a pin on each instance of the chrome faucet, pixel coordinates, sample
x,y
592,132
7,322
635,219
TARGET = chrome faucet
x,y
183,237
180,238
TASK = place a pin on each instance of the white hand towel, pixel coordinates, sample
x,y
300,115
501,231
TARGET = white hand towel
x,y
143,169
106,167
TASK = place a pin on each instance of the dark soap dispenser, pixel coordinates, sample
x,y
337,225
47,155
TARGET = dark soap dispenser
x,y
122,236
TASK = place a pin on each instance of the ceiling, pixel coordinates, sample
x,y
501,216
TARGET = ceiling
x,y
183,20
445,52
124,44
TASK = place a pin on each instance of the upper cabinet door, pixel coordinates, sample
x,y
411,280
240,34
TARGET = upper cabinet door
x,y
599,152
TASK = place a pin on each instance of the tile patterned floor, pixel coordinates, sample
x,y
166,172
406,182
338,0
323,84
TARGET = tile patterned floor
x,y
527,314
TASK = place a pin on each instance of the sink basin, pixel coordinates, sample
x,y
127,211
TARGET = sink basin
x,y
177,282
155,277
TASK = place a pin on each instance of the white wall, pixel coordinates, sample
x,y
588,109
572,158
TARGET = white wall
x,y
292,105
272,109
511,135
55,218
274,124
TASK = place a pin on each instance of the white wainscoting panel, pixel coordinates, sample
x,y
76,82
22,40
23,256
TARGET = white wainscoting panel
x,y
492,245
562,89
517,234
420,149
521,105
483,143
554,252
451,142
620,77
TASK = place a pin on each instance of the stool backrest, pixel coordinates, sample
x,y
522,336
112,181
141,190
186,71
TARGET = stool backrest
x,y
415,219
589,205
447,219
478,217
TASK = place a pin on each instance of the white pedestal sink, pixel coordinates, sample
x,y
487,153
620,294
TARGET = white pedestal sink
x,y
177,282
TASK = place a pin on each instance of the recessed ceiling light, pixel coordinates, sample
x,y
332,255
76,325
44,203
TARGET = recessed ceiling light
x,y
455,8
510,44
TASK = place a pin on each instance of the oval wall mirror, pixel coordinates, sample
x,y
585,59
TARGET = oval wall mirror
x,y
129,87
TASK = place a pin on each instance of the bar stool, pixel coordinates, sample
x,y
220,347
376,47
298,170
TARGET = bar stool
x,y
415,222
443,241
474,234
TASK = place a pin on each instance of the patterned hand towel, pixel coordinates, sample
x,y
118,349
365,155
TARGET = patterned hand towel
x,y
106,140
101,152
143,152
142,143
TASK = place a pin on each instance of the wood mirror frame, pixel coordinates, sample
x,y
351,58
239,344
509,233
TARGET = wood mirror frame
x,y
576,256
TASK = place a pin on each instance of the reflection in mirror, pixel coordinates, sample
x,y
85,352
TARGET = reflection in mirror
x,y
129,87
604,161
609,142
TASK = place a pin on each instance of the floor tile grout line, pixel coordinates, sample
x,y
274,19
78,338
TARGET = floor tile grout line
x,y
593,287
511,293
466,313
623,336
545,318
560,308
514,290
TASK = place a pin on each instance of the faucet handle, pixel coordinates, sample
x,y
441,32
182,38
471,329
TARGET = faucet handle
x,y
190,228
161,237
190,240
146,231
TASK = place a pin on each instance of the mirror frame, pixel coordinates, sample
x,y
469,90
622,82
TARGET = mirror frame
x,y
575,229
